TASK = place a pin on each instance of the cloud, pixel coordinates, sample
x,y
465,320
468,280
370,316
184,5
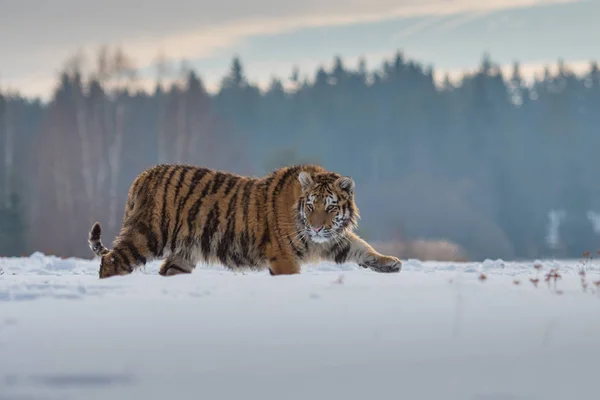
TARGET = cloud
x,y
418,27
186,28
458,13
205,42
439,23
462,19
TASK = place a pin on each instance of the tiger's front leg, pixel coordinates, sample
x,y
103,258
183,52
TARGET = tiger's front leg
x,y
354,249
283,266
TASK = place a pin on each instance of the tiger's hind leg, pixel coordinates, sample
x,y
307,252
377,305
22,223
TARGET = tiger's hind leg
x,y
175,265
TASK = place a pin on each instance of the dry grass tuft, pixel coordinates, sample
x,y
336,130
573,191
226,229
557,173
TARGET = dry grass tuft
x,y
424,250
538,267
583,278
552,276
534,281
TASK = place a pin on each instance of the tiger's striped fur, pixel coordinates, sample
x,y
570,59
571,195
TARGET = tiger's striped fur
x,y
187,214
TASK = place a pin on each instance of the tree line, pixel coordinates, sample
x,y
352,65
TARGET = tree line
x,y
489,162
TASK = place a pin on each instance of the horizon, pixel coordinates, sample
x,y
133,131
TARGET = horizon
x,y
529,73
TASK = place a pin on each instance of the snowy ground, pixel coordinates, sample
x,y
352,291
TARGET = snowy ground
x,y
434,331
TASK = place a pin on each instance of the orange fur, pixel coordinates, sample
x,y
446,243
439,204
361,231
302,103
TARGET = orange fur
x,y
187,214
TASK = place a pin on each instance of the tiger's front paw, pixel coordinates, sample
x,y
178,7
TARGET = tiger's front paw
x,y
384,264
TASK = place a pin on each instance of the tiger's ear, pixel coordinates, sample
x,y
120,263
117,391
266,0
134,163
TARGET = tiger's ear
x,y
346,184
306,180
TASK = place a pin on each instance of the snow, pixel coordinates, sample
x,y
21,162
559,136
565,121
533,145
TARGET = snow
x,y
433,331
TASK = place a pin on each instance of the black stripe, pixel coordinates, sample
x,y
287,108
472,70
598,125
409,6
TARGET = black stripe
x,y
144,194
123,257
231,205
244,245
298,252
224,184
342,213
196,206
265,196
264,239
244,257
162,171
237,259
164,219
210,227
244,237
258,206
300,216
275,194
151,239
176,267
143,181
219,181
227,240
341,253
246,201
148,202
268,181
281,183
177,200
198,175
135,253
350,217
182,176
264,187
231,183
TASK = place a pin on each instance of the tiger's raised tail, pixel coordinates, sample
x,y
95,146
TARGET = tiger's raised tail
x,y
95,242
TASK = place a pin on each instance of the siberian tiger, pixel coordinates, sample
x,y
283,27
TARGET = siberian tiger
x,y
187,214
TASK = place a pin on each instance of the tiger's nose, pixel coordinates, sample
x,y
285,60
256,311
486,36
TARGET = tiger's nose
x,y
317,228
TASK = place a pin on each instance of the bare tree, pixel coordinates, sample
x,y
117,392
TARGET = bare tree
x,y
79,102
114,161
182,139
124,72
3,148
9,134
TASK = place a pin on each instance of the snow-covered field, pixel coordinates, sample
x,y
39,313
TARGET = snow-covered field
x,y
433,331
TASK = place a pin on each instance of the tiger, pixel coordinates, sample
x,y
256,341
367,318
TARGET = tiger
x,y
187,214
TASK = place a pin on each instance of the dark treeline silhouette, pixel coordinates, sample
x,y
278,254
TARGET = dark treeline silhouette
x,y
487,163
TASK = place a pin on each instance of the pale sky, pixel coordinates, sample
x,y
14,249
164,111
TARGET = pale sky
x,y
36,36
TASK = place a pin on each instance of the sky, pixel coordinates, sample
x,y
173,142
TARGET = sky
x,y
271,37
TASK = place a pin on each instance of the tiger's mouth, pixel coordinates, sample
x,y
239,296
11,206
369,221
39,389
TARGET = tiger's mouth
x,y
319,239
319,235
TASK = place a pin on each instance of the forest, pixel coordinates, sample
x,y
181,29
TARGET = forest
x,y
501,167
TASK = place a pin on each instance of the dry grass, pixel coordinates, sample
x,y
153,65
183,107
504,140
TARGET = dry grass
x,y
424,250
587,256
553,276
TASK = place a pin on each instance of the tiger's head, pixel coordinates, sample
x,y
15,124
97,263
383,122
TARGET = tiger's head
x,y
326,208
